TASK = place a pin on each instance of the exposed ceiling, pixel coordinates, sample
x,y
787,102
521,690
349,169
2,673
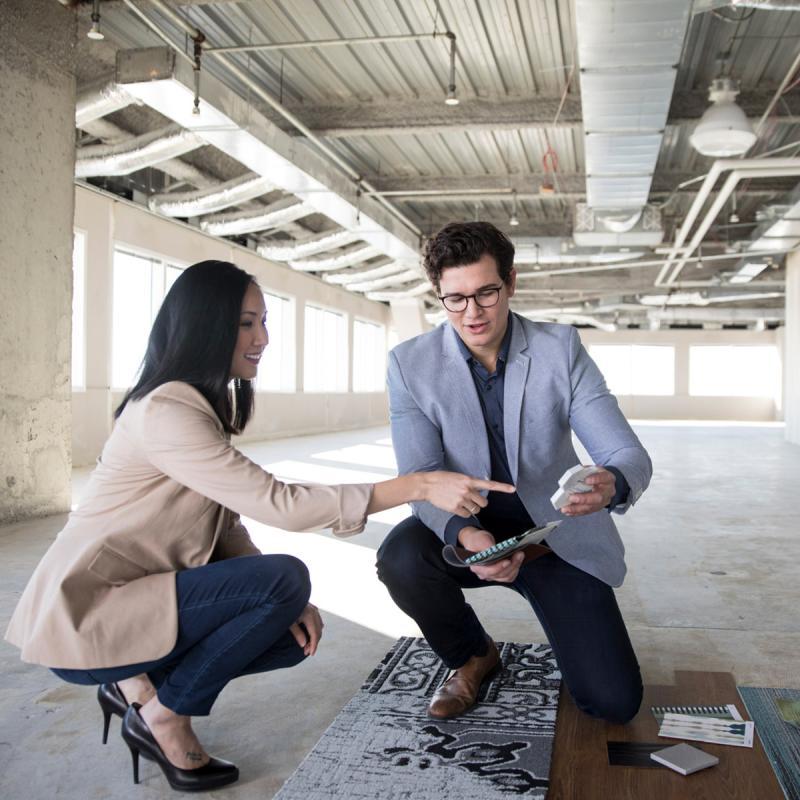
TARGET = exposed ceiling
x,y
363,158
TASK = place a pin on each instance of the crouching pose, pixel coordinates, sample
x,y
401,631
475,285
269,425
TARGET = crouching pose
x,y
154,590
491,393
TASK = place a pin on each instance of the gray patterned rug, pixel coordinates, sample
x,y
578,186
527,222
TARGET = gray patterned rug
x,y
383,745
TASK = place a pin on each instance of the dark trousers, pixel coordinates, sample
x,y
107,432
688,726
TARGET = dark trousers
x,y
233,619
578,612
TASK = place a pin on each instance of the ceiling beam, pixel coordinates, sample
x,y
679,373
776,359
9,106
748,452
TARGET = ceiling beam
x,y
432,116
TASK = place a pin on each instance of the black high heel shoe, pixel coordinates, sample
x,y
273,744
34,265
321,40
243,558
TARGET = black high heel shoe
x,y
111,701
139,739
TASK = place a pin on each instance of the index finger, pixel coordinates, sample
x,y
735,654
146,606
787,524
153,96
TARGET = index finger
x,y
493,486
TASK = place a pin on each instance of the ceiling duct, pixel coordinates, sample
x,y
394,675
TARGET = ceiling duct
x,y
234,126
401,294
599,228
142,151
384,283
290,251
370,273
236,223
627,52
93,102
206,201
346,258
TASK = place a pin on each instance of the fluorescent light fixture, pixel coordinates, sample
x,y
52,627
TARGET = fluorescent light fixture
x,y
750,270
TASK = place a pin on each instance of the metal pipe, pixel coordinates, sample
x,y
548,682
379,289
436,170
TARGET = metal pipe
x,y
161,35
273,103
717,168
244,48
451,86
778,92
720,201
549,273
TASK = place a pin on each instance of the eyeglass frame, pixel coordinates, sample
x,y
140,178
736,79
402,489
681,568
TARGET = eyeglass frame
x,y
474,297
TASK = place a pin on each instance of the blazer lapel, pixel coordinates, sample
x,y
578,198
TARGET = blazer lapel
x,y
516,377
457,375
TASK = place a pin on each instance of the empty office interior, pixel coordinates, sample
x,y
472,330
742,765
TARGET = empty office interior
x,y
644,159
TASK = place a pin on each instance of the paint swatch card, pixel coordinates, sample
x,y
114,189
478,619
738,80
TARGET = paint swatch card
x,y
738,733
721,712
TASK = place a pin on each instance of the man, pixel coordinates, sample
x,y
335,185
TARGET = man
x,y
495,395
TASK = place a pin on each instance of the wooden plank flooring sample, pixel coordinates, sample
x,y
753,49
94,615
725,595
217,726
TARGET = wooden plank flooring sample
x,y
580,769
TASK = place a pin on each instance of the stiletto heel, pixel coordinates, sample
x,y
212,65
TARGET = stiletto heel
x,y
111,701
135,759
140,740
106,723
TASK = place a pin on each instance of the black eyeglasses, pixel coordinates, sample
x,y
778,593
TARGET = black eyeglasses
x,y
485,298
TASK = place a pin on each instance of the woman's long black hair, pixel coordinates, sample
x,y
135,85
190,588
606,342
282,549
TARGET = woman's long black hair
x,y
193,339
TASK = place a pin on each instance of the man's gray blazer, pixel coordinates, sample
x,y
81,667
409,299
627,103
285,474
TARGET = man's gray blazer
x,y
552,387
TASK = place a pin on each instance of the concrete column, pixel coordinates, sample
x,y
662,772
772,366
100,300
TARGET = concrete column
x,y
408,318
37,155
791,349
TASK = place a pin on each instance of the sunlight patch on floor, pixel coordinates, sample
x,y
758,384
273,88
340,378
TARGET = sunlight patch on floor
x,y
365,455
343,578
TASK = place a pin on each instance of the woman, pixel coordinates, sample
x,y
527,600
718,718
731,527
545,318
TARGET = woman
x,y
154,589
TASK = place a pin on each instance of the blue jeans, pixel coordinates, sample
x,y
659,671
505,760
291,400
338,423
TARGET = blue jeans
x,y
578,612
233,619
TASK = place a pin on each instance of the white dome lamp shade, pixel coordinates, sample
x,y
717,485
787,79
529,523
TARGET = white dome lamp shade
x,y
723,130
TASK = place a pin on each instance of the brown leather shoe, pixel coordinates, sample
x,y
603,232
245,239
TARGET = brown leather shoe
x,y
459,692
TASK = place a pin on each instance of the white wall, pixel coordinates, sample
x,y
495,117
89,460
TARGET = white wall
x,y
682,405
106,221
37,154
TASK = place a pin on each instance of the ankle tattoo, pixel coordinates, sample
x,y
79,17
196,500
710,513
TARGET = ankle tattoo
x,y
190,756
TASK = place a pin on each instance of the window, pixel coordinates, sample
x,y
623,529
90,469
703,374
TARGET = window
x,y
734,371
277,370
636,369
140,283
325,351
79,311
369,357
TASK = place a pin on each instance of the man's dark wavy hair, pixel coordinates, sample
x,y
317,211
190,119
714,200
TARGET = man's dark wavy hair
x,y
193,339
462,243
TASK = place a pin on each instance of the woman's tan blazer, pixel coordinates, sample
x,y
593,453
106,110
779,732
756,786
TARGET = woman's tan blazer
x,y
166,496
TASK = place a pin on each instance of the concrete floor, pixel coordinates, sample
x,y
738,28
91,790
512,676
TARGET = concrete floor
x,y
712,585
